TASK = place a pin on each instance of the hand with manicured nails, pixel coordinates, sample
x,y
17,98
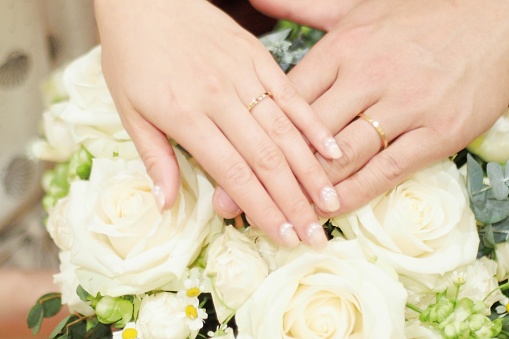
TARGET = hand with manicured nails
x,y
185,70
433,75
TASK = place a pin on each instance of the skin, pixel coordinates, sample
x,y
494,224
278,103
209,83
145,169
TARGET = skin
x,y
434,74
152,58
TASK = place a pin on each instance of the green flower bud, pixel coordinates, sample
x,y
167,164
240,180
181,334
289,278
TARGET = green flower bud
x,y
480,307
114,310
441,310
477,322
456,329
496,327
81,164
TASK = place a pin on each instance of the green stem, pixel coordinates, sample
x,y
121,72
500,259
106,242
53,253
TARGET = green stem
x,y
502,287
414,308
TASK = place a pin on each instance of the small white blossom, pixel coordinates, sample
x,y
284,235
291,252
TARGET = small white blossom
x,y
128,332
191,312
502,308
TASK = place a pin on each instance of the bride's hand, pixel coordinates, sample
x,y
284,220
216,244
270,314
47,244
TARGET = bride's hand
x,y
186,70
433,74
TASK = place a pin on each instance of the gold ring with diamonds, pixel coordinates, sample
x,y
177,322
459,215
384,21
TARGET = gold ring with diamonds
x,y
378,128
257,100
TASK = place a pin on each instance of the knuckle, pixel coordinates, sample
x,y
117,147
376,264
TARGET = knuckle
x,y
212,84
282,126
237,174
312,170
391,168
269,158
299,207
349,156
287,95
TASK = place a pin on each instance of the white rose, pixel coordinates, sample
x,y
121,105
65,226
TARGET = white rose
x,y
332,293
68,283
235,269
423,227
267,248
58,225
494,144
90,111
502,255
161,317
126,246
58,143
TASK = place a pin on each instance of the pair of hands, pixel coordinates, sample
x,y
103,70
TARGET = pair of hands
x,y
435,74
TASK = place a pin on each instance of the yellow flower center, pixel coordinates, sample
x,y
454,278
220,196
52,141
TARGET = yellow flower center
x,y
191,312
193,292
507,307
130,333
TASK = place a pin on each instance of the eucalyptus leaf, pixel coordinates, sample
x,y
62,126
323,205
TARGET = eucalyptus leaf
x,y
489,210
51,304
475,176
488,238
501,231
507,172
34,318
496,176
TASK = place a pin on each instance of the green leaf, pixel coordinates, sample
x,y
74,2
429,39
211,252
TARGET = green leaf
x,y
60,326
101,331
78,330
507,172
475,176
489,210
82,294
51,304
501,231
488,239
34,318
496,176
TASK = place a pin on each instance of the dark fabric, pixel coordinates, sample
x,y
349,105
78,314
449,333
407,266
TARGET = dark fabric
x,y
246,15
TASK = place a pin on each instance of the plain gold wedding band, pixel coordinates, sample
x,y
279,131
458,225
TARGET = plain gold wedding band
x,y
378,128
257,100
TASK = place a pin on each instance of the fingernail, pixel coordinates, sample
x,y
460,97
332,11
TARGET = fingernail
x,y
330,199
332,148
227,204
288,235
158,194
315,236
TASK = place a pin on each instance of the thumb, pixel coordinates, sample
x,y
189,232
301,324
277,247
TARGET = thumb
x,y
159,158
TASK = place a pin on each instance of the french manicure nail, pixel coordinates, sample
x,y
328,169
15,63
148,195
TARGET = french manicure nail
x,y
315,236
158,194
288,235
330,199
332,148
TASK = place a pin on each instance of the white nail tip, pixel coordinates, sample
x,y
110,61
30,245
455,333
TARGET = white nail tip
x,y
332,148
158,194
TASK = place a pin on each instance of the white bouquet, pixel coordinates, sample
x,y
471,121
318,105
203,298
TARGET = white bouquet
x,y
404,266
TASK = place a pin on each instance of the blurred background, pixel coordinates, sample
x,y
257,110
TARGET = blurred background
x,y
36,38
